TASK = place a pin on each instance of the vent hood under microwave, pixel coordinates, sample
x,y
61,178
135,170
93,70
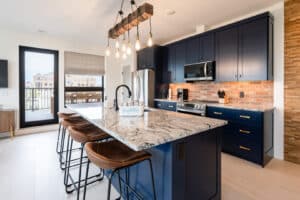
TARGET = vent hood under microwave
x,y
204,71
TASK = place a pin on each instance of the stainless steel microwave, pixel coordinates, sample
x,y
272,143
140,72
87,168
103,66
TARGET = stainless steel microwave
x,y
204,71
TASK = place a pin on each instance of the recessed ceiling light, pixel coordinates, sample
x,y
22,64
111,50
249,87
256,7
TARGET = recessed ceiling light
x,y
41,31
170,12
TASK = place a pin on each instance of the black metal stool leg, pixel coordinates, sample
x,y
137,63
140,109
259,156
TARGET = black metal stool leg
x,y
62,148
58,136
68,168
80,167
86,178
109,185
68,160
127,182
152,177
120,186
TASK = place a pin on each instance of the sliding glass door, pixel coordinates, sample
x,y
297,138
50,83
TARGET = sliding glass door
x,y
38,86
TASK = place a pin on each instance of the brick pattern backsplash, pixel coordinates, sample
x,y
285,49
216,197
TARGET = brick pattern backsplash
x,y
256,92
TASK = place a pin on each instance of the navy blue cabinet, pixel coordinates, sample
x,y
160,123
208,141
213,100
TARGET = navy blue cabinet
x,y
254,50
180,62
227,54
172,63
244,50
165,105
248,135
207,44
149,58
193,51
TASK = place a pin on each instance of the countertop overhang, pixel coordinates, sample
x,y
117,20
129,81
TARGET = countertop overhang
x,y
156,127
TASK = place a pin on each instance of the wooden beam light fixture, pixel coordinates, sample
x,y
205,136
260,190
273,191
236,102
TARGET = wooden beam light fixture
x,y
125,24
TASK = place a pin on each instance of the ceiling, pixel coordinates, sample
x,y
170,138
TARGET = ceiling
x,y
89,20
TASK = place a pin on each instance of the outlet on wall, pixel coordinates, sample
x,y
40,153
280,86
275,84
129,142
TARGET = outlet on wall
x,y
242,94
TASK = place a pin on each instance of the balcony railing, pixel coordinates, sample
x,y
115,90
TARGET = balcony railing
x,y
38,98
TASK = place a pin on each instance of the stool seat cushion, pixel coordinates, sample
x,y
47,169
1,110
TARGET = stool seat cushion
x,y
74,121
86,134
63,115
114,155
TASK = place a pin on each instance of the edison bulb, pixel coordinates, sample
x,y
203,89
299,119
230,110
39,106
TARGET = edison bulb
x,y
137,45
128,51
124,47
117,54
107,51
150,42
117,44
124,56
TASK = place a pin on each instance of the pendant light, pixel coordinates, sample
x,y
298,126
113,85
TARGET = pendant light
x,y
117,43
137,42
128,50
107,51
118,53
150,40
124,48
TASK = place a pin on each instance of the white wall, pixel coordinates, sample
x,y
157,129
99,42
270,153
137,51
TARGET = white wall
x,y
113,75
9,49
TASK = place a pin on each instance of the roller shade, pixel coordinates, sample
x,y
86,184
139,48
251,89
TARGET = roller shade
x,y
79,63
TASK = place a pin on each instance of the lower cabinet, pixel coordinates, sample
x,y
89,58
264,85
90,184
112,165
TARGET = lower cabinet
x,y
248,135
165,105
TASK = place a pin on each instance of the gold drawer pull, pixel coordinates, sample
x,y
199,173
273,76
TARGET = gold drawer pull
x,y
244,131
245,148
245,116
218,113
171,106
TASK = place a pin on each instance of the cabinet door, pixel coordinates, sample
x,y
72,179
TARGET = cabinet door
x,y
253,41
193,50
227,54
208,47
180,62
172,63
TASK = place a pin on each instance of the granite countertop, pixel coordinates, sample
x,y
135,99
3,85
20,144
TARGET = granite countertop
x,y
154,128
241,106
167,100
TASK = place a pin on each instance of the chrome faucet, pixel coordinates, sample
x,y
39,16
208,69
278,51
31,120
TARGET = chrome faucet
x,y
116,97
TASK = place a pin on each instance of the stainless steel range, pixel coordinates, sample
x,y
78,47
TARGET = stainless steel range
x,y
197,107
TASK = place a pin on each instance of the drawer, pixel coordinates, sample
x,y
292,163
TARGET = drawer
x,y
249,132
170,106
249,150
249,118
158,104
220,113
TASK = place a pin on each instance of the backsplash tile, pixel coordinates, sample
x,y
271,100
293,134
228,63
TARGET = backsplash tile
x,y
255,91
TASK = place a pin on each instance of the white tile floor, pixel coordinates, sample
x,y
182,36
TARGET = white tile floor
x,y
29,170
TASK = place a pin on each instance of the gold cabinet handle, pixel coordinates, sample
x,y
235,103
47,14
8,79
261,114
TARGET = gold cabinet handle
x,y
245,116
171,106
218,113
245,148
244,131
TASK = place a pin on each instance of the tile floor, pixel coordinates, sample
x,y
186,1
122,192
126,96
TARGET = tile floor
x,y
29,170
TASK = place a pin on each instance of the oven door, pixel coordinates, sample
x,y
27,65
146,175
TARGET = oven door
x,y
195,72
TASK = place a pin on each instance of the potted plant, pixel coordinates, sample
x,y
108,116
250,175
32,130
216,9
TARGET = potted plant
x,y
222,96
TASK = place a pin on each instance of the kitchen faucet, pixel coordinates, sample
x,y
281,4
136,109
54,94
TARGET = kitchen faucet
x,y
116,97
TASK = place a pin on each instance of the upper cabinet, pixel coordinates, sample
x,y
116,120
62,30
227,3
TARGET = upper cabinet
x,y
176,62
193,51
244,51
227,54
149,58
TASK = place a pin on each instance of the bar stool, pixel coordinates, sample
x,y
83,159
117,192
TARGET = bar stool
x,y
62,116
81,135
74,120
115,156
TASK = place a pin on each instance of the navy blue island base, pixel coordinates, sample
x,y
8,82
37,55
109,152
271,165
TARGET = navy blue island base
x,y
186,169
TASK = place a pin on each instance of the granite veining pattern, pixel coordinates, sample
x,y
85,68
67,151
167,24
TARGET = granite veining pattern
x,y
154,128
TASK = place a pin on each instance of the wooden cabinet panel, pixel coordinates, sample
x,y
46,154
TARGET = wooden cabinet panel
x,y
7,121
253,50
227,54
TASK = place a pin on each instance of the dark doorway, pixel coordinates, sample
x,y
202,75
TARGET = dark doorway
x,y
38,86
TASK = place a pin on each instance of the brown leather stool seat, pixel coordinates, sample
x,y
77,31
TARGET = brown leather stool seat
x,y
113,155
75,121
64,115
86,134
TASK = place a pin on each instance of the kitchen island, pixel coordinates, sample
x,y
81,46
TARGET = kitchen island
x,y
186,150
